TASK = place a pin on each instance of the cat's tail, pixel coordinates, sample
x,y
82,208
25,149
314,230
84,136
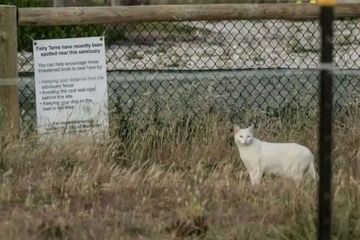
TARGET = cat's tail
x,y
313,171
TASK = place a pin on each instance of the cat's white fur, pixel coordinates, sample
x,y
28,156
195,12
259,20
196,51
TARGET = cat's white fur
x,y
285,159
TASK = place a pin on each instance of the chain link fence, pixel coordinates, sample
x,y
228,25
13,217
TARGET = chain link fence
x,y
160,69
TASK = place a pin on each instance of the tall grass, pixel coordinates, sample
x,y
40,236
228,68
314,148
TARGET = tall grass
x,y
183,179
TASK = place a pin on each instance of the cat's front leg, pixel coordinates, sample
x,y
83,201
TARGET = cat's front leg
x,y
255,177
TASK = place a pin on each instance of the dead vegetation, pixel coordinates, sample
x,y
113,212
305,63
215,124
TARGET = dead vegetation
x,y
181,180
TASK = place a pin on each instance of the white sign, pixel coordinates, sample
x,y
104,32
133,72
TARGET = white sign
x,y
71,85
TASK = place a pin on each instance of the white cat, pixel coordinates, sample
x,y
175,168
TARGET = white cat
x,y
284,159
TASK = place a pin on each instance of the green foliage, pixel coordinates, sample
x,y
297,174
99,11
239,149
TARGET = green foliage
x,y
26,3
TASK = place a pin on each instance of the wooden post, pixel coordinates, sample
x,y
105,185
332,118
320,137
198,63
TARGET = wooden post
x,y
8,66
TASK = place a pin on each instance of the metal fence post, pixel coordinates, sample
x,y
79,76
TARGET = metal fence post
x,y
8,66
326,105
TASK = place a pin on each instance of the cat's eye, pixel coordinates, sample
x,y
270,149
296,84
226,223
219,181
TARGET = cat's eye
x,y
241,136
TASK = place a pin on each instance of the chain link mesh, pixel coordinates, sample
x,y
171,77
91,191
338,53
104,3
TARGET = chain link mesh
x,y
159,69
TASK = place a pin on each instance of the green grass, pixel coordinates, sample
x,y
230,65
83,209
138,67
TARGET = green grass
x,y
181,180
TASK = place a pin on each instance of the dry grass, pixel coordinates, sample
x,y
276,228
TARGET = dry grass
x,y
184,180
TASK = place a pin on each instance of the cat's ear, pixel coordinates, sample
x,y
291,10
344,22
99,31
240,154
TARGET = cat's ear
x,y
251,128
236,129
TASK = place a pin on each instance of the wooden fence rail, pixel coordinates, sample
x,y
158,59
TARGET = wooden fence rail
x,y
126,14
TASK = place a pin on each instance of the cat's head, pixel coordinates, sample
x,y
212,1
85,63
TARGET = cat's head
x,y
243,136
